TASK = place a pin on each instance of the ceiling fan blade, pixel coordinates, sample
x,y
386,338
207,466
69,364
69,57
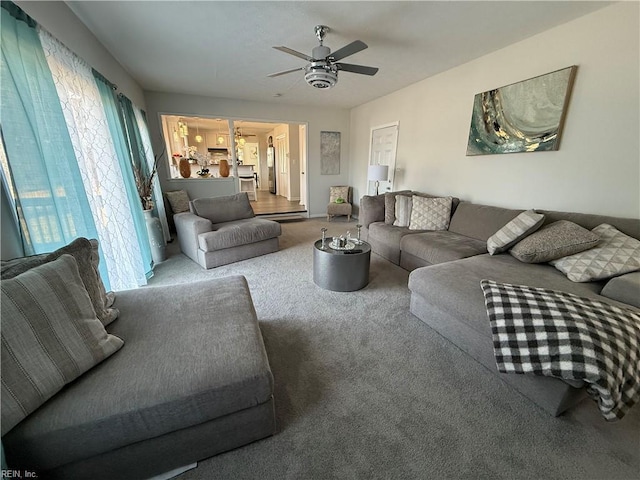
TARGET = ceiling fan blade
x,y
349,67
277,74
353,47
295,53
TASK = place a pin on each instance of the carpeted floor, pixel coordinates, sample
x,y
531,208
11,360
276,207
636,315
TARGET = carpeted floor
x,y
365,390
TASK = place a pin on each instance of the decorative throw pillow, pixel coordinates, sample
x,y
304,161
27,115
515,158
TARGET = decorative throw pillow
x,y
558,334
50,336
179,201
338,192
390,205
616,254
558,239
86,254
524,224
403,211
430,213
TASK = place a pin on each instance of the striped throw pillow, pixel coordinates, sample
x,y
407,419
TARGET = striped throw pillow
x,y
524,224
50,336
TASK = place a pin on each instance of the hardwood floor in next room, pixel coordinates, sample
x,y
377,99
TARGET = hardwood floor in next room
x,y
268,202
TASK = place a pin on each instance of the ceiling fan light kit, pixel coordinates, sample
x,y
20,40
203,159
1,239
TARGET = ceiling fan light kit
x,y
322,69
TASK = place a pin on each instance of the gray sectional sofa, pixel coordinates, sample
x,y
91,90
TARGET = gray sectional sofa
x,y
192,380
222,230
447,267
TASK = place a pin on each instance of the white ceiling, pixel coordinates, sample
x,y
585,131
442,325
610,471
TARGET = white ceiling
x,y
223,48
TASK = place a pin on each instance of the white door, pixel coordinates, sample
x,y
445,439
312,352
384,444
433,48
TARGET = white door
x,y
303,164
282,161
384,142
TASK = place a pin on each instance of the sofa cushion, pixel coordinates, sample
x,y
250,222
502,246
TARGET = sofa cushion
x,y
404,206
194,353
480,221
385,240
616,254
239,232
524,224
625,289
87,257
454,287
558,239
50,336
223,209
441,246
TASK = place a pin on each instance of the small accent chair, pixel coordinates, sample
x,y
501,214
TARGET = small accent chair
x,y
342,208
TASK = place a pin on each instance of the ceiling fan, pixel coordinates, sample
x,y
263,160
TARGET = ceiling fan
x,y
323,66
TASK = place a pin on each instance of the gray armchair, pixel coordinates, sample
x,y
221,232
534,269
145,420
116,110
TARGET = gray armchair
x,y
222,230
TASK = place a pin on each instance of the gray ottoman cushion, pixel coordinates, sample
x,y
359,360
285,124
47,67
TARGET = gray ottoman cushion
x,y
441,246
236,233
191,355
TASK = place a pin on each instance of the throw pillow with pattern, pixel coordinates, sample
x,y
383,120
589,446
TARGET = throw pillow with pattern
x,y
558,239
430,213
616,254
524,224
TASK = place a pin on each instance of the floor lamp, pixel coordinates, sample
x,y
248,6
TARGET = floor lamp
x,y
378,173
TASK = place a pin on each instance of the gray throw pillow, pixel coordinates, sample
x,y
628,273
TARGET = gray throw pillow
x,y
179,201
86,254
390,205
616,254
524,224
403,211
50,336
223,209
556,240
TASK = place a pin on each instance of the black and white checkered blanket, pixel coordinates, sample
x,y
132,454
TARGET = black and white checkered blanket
x,y
557,334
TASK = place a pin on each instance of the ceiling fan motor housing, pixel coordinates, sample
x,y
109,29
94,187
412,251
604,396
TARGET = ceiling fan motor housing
x,y
321,75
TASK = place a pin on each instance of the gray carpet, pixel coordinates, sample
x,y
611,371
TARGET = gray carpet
x,y
363,389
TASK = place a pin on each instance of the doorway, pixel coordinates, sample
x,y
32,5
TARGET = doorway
x,y
384,143
210,140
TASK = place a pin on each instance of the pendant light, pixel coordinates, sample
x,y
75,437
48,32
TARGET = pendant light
x,y
198,136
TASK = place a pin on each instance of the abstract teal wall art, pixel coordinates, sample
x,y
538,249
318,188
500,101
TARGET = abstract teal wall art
x,y
526,116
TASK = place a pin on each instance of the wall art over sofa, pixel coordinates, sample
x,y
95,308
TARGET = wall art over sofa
x,y
525,116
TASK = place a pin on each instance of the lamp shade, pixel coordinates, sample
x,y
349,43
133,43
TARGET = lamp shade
x,y
379,173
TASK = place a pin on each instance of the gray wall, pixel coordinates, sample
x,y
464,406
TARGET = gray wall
x,y
597,168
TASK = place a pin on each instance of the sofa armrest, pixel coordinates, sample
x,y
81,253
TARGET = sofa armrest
x,y
625,289
188,227
371,210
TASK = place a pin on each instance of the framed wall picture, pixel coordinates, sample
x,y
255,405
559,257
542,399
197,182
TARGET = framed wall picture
x,y
329,153
526,116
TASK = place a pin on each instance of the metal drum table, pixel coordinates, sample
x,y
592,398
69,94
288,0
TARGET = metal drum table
x,y
341,270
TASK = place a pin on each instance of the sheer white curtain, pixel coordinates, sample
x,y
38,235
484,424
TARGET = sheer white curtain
x,y
99,167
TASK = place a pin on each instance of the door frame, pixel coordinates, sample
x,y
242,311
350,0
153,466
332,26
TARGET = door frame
x,y
392,168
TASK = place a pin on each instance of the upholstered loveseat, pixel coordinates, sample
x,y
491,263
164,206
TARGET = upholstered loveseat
x,y
448,265
222,230
180,374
